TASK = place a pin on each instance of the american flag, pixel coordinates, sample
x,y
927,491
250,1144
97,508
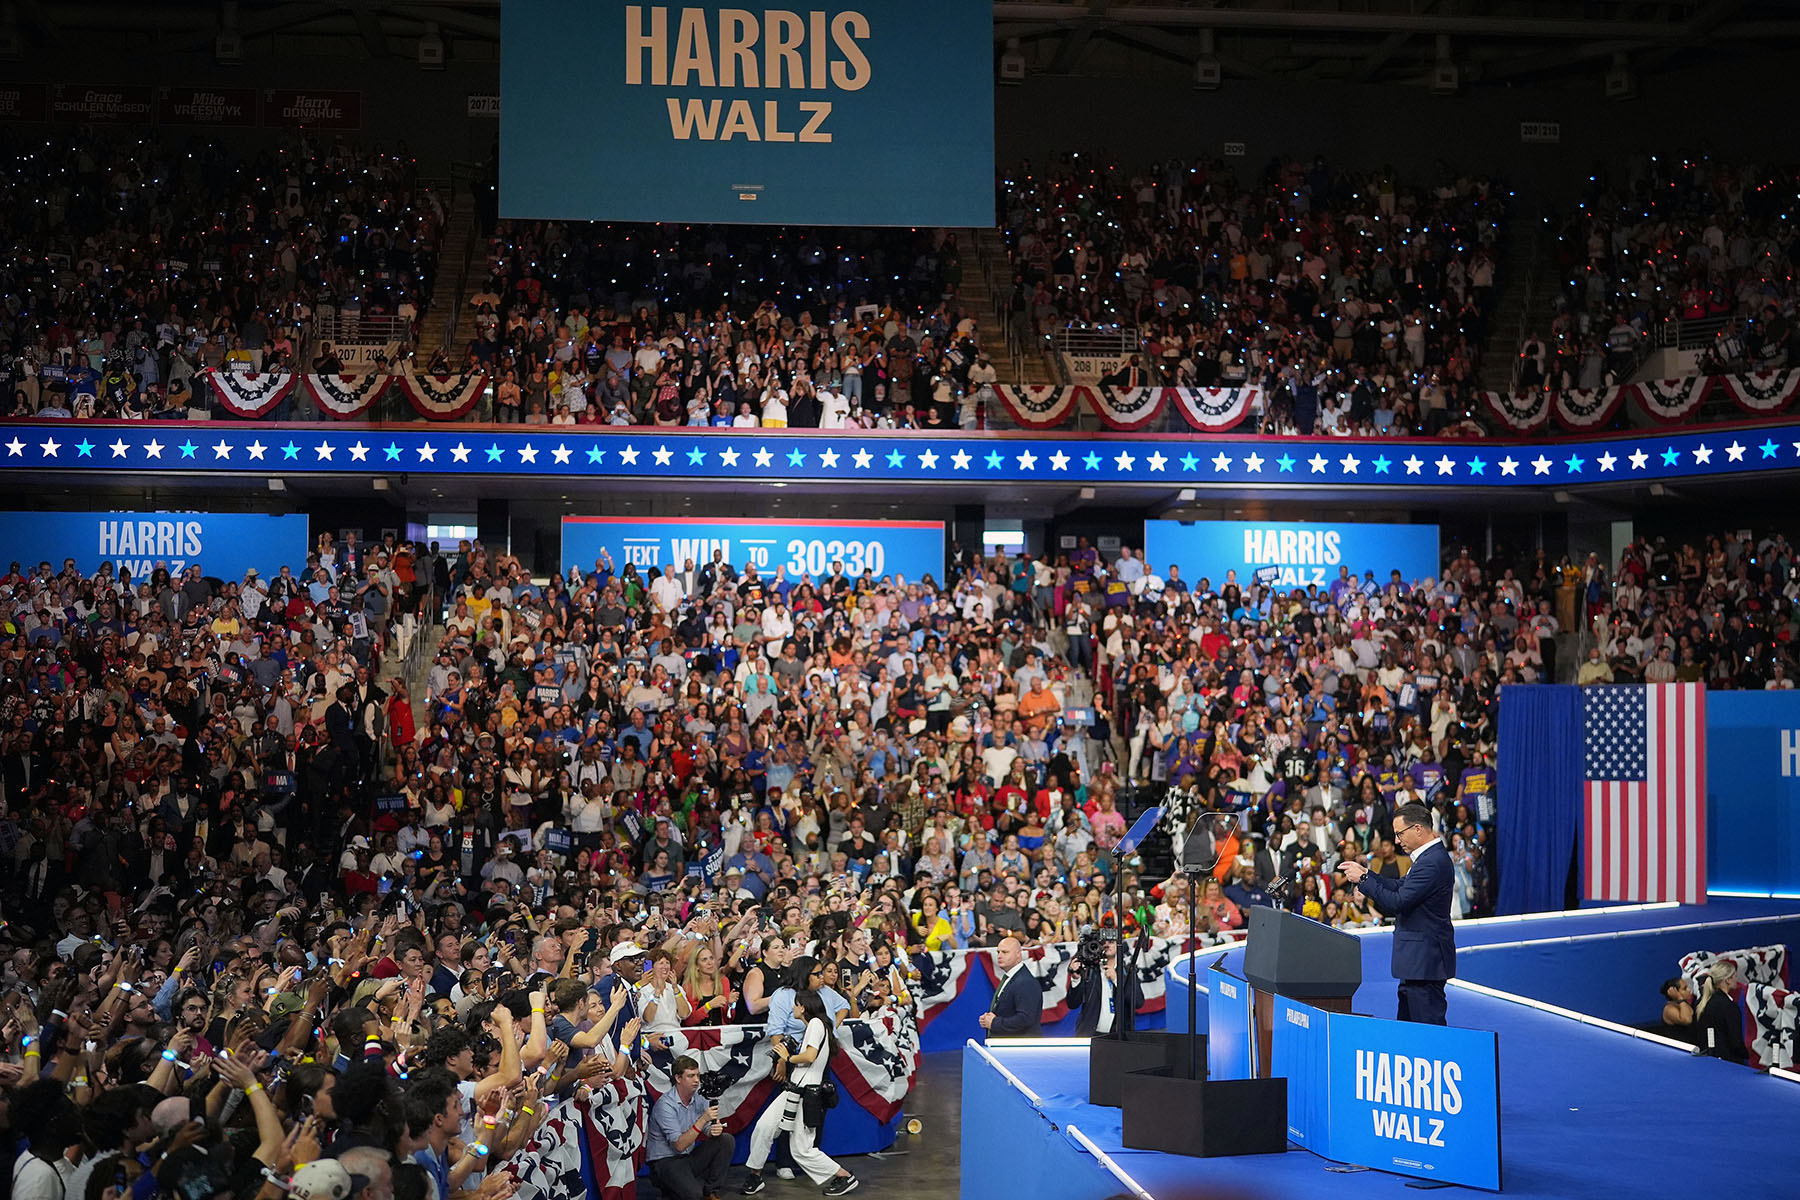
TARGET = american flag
x,y
1644,792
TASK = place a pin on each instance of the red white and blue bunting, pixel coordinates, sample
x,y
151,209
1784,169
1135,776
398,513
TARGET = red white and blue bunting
x,y
249,396
1036,406
1519,412
599,1134
347,397
1760,981
944,974
1588,408
443,397
1125,408
1215,408
1762,391
1046,406
1671,401
1774,1014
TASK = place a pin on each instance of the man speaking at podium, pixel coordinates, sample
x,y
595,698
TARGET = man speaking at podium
x,y
1419,902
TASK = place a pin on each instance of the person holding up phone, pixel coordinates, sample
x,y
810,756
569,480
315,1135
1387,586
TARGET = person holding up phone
x,y
662,1001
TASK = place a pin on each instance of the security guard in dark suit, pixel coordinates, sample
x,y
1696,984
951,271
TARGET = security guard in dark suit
x,y
1018,1008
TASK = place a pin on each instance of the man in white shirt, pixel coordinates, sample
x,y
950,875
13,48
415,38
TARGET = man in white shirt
x,y
667,592
649,358
1149,585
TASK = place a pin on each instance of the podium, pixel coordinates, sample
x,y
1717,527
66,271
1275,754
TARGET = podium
x,y
1302,959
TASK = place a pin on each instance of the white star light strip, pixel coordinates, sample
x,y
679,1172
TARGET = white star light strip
x,y
748,456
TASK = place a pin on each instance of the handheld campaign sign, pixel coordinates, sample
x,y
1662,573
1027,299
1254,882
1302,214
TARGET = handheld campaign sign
x,y
844,112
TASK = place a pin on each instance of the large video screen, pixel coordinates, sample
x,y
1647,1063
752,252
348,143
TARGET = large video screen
x,y
897,550
875,112
1291,554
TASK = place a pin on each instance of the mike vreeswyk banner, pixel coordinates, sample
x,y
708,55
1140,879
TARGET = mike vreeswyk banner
x,y
875,112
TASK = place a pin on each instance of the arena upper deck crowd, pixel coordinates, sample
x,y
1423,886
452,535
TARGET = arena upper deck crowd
x,y
1356,300
1673,238
134,264
228,828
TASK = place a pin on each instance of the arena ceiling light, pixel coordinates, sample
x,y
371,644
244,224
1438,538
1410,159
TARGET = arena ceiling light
x,y
1012,64
431,49
228,45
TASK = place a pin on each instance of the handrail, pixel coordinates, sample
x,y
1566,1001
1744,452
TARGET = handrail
x,y
998,292
1690,333
460,296
1529,284
1095,341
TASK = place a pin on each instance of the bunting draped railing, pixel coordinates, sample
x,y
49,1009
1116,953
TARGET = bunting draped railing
x,y
348,397
593,1144
249,395
1048,407
1664,401
442,397
1125,410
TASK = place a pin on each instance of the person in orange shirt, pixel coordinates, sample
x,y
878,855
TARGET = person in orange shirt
x,y
1038,706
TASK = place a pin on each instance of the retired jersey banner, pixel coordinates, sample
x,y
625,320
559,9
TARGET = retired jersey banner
x,y
22,101
205,106
853,112
312,109
93,104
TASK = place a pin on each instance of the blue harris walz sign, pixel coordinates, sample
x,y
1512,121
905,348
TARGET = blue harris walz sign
x,y
1419,1099
224,545
1290,554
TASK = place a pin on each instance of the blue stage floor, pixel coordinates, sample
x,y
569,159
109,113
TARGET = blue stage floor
x,y
1586,1113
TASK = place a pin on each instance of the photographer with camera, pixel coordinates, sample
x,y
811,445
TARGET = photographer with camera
x,y
1094,984
688,1149
800,1110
